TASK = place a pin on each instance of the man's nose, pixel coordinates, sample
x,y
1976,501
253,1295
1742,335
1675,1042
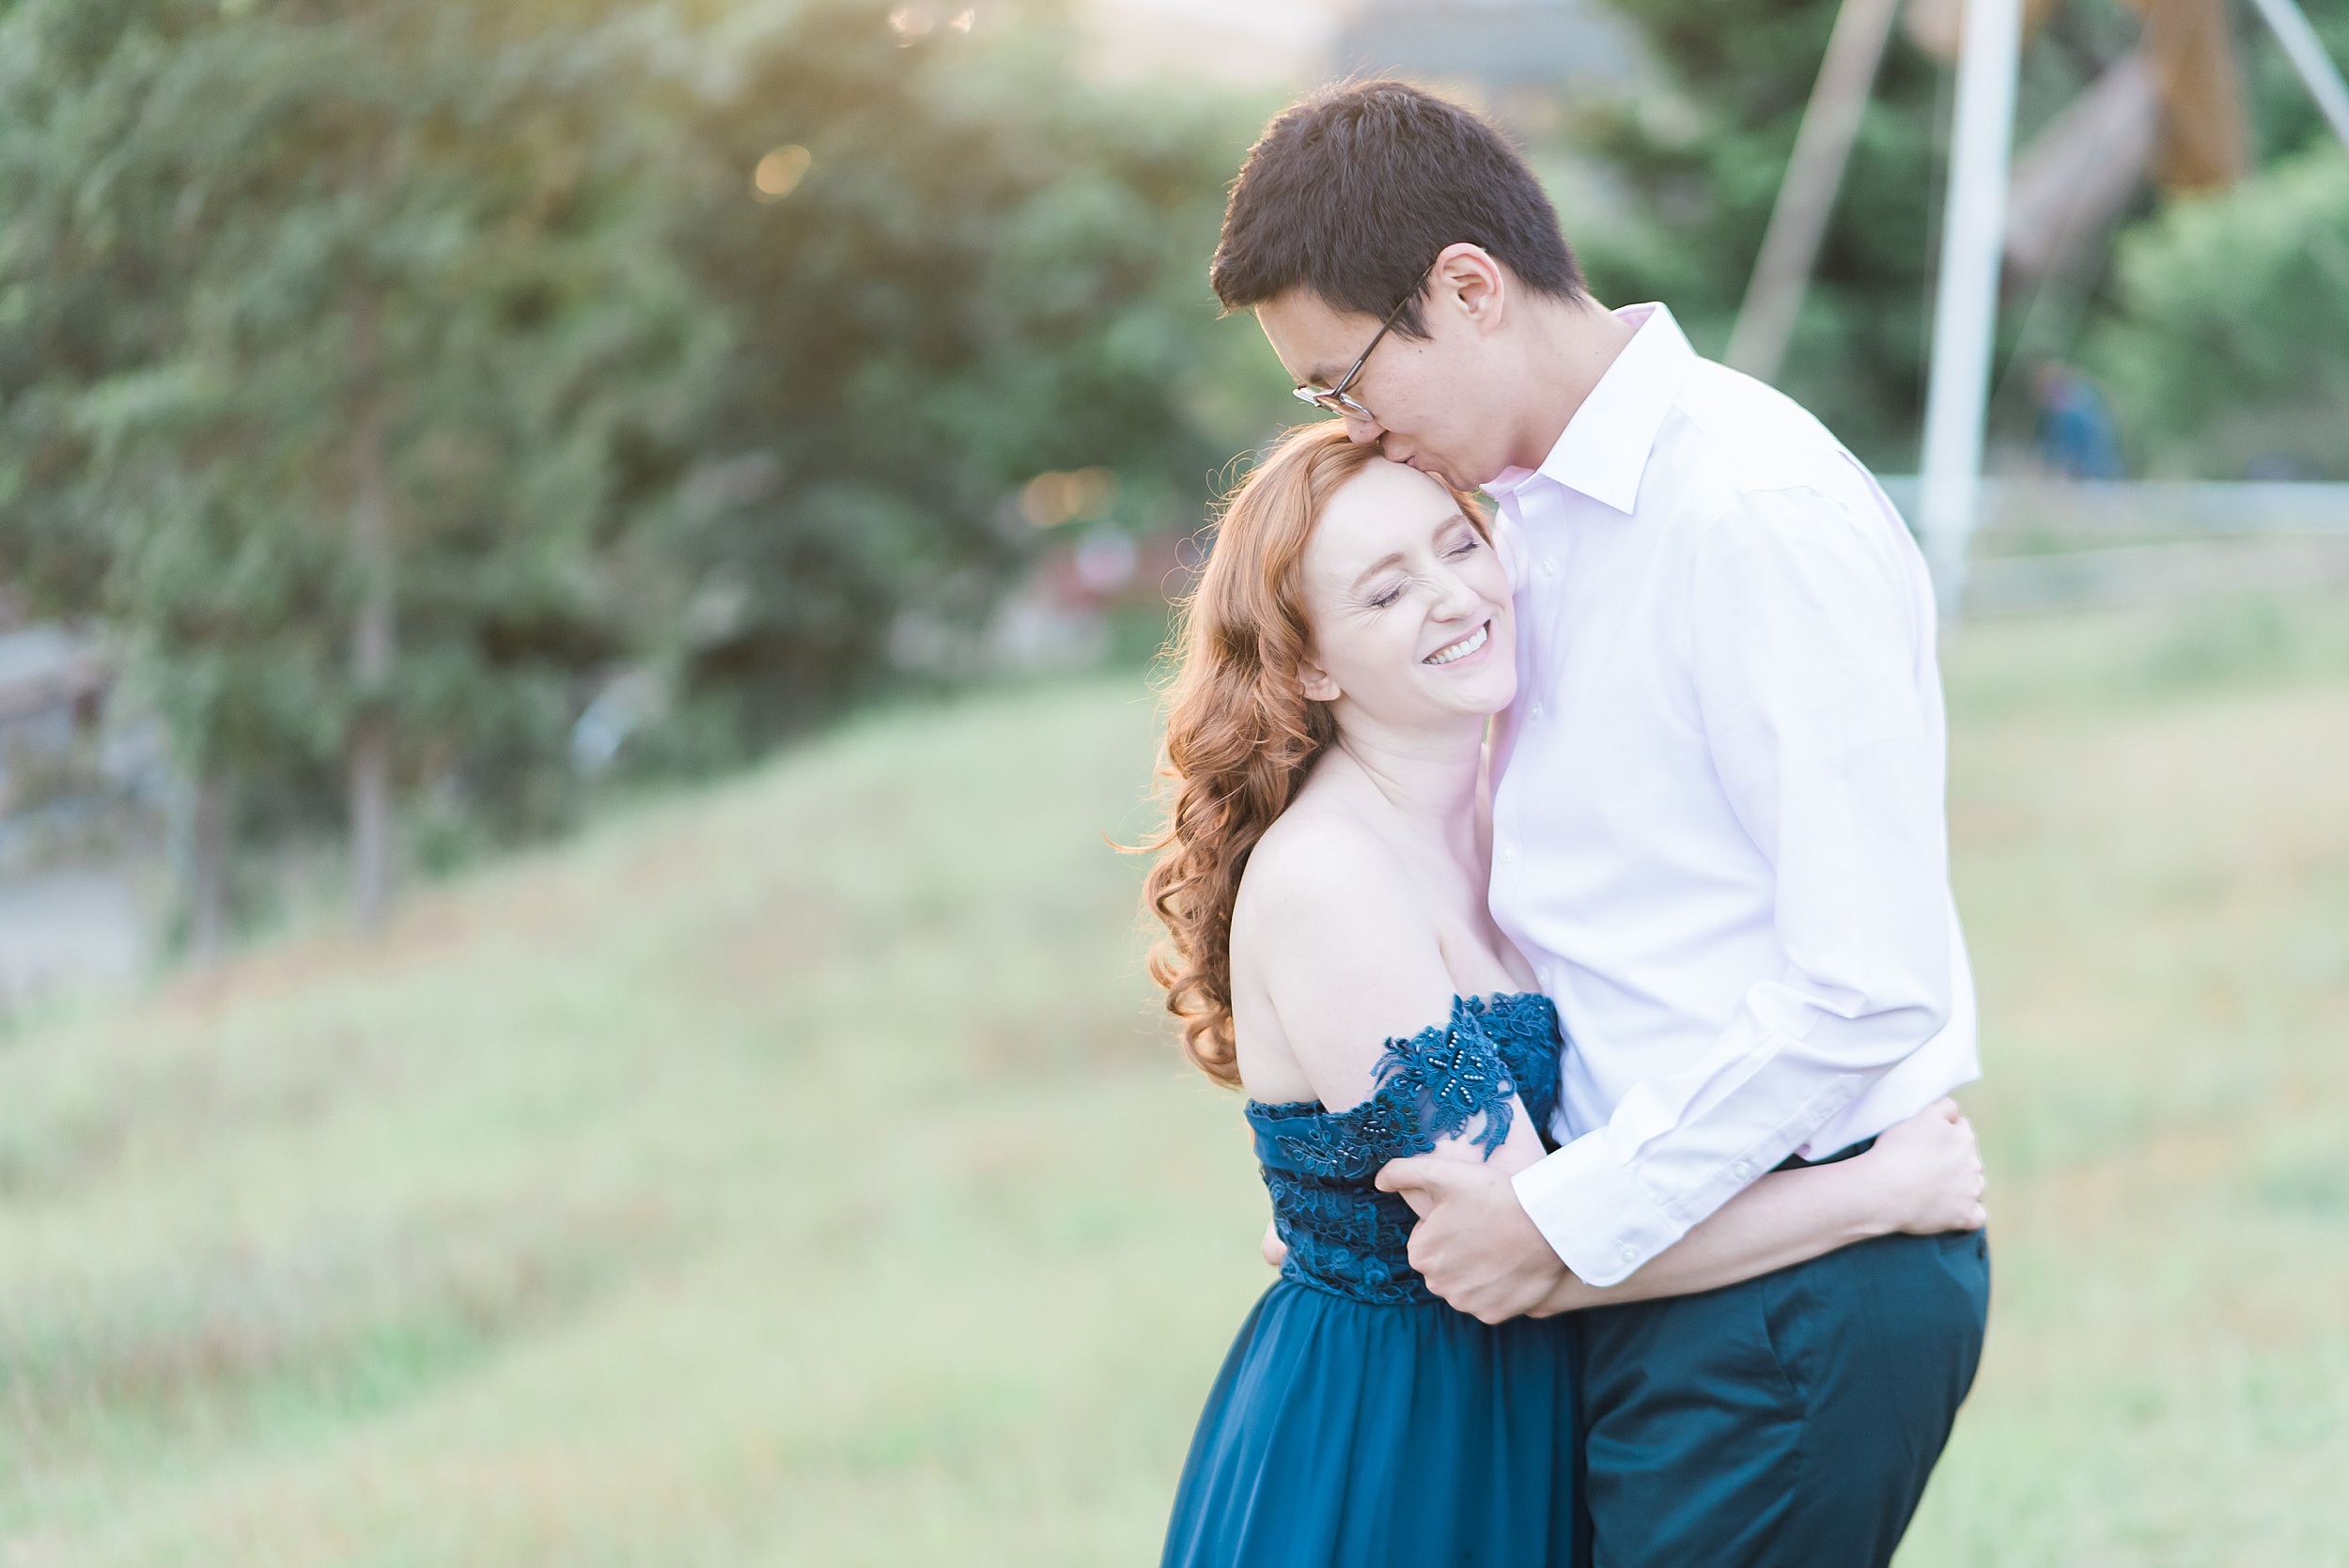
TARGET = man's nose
x,y
1362,430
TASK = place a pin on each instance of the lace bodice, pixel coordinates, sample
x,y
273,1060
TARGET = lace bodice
x,y
1344,1235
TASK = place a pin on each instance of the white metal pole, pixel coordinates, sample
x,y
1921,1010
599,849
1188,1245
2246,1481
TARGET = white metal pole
x,y
1965,309
2291,27
1806,197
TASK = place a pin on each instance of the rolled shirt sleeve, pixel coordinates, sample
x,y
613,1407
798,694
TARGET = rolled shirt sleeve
x,y
1810,615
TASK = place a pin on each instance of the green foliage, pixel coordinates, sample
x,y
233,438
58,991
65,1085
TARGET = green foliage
x,y
2229,347
466,321
2284,118
1701,163
987,271
378,244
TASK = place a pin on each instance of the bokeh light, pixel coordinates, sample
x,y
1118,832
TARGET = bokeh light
x,y
1050,500
780,171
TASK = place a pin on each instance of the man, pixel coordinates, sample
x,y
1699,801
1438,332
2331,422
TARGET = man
x,y
1718,833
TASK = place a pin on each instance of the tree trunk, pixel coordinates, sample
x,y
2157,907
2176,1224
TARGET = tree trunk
x,y
370,823
2205,143
208,864
1806,198
371,638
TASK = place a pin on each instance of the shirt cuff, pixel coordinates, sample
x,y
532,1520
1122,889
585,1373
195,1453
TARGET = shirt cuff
x,y
1598,1219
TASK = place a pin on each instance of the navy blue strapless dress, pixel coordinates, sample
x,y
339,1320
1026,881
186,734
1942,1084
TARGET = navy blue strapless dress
x,y
1359,1421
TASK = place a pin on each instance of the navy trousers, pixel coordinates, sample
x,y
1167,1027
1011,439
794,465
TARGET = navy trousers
x,y
1789,1421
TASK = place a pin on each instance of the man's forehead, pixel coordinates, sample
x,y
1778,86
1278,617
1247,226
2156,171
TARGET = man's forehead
x,y
1312,340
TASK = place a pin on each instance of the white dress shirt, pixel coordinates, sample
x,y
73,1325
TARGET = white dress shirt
x,y
1718,833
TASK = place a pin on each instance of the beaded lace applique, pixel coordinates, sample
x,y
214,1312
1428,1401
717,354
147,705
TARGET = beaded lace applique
x,y
1344,1235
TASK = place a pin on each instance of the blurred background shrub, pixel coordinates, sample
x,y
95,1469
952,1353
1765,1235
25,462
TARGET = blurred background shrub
x,y
329,328
428,413
2228,350
1694,166
974,268
395,382
1676,180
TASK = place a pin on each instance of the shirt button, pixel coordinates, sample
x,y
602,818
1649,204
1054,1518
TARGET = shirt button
x,y
1549,565
1536,710
1508,851
1629,1251
1742,1171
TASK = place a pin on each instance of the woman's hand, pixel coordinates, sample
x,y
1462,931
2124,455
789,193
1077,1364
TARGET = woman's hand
x,y
1276,1251
1927,1173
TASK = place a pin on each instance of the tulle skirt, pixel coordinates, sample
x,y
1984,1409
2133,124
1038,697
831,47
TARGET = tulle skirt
x,y
1345,1434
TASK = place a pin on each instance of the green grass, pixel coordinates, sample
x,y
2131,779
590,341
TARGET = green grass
x,y
797,1173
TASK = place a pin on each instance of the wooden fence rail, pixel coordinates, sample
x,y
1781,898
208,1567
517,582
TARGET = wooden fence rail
x,y
2052,544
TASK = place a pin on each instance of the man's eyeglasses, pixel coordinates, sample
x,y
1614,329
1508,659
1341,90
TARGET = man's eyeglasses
x,y
1334,398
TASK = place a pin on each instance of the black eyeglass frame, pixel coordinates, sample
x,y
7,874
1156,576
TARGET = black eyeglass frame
x,y
1333,400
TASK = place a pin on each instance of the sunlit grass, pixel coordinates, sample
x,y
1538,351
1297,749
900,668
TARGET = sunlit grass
x,y
796,1173
2153,864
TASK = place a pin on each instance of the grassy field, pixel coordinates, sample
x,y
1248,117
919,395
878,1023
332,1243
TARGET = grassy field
x,y
796,1173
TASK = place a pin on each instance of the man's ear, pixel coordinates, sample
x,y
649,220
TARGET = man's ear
x,y
1467,280
1316,683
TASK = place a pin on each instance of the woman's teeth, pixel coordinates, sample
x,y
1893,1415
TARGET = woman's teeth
x,y
1462,649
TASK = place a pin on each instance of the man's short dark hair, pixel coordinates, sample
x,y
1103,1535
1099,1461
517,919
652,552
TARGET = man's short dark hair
x,y
1353,194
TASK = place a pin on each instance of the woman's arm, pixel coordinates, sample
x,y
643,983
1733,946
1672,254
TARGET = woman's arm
x,y
1924,1176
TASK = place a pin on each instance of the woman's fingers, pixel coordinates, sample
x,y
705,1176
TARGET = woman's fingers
x,y
1934,1162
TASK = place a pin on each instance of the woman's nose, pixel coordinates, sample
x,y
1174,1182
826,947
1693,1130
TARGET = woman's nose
x,y
1456,600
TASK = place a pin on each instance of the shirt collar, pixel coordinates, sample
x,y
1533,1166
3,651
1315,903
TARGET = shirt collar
x,y
1605,446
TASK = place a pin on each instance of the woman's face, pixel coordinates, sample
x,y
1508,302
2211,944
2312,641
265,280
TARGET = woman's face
x,y
1409,605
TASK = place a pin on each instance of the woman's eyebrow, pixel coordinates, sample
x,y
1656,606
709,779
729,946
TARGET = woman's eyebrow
x,y
1392,558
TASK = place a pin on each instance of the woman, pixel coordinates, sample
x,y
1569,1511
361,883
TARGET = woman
x,y
1322,878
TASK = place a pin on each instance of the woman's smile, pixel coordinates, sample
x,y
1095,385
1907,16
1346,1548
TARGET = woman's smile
x,y
1452,652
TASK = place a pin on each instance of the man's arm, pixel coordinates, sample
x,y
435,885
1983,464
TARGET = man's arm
x,y
1811,649
1924,1176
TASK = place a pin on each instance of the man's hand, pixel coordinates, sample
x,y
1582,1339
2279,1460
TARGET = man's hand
x,y
1473,1242
1276,1251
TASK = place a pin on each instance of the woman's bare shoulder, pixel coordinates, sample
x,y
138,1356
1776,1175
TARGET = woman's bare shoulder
x,y
1321,861
1333,933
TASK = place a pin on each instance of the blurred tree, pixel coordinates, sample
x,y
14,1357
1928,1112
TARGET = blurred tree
x,y
2226,346
1697,159
949,263
2228,349
324,324
2284,119
386,374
